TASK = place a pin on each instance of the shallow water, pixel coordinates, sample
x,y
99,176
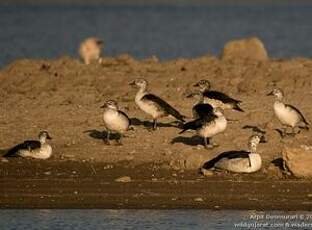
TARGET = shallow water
x,y
167,31
151,219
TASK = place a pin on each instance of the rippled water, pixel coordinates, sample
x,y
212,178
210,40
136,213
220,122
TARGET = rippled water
x,y
167,31
151,219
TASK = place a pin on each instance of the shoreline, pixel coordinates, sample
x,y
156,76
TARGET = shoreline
x,y
161,190
153,2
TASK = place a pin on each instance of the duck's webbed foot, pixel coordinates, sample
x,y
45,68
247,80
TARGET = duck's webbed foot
x,y
292,132
119,140
208,144
155,124
106,140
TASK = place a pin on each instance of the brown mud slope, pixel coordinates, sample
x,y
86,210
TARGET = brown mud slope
x,y
64,97
72,184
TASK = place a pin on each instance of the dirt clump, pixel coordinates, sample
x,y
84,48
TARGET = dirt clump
x,y
250,48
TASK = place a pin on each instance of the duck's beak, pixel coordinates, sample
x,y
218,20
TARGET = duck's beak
x,y
103,106
270,94
99,42
263,140
190,95
132,83
196,84
49,137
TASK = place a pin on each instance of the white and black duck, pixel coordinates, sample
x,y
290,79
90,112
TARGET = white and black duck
x,y
152,104
114,120
241,161
207,126
287,114
38,149
216,98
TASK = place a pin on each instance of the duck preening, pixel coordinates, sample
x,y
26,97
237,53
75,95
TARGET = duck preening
x,y
90,50
239,161
114,120
287,114
207,126
200,109
32,148
152,104
216,98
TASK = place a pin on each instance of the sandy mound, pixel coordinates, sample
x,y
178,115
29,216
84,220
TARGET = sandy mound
x,y
298,161
250,48
64,96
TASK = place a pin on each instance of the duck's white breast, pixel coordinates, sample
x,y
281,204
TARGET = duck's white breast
x,y
286,115
43,153
115,121
213,128
148,107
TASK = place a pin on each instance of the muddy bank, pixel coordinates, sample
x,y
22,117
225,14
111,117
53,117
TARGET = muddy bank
x,y
66,184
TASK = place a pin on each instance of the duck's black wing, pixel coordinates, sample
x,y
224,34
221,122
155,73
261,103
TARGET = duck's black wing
x,y
123,113
197,123
228,155
219,96
216,95
164,105
203,110
301,115
26,145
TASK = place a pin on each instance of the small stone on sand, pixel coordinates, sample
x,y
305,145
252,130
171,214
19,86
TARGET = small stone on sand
x,y
123,179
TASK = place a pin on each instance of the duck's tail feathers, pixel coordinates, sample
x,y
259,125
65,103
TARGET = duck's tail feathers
x,y
210,164
306,126
3,152
178,116
182,131
237,108
10,152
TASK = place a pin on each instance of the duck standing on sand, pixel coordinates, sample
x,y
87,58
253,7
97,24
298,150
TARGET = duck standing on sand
x,y
153,105
239,161
208,126
90,50
200,109
114,120
216,98
33,148
287,114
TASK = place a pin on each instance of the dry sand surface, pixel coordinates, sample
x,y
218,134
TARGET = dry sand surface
x,y
64,97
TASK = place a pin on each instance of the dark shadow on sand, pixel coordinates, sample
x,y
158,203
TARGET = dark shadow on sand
x,y
149,124
192,141
101,135
279,162
3,152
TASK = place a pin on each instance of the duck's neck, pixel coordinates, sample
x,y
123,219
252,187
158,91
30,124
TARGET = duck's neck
x,y
206,89
42,140
141,92
279,99
253,148
255,160
201,99
110,110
